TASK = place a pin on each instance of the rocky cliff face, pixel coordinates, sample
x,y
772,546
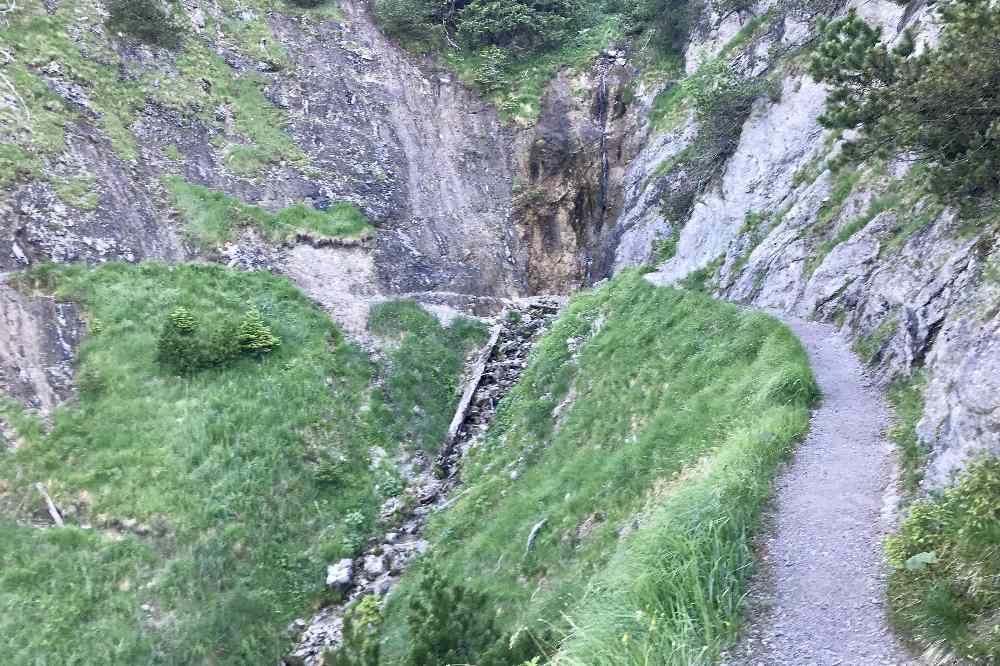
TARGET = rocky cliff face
x,y
911,284
427,161
38,338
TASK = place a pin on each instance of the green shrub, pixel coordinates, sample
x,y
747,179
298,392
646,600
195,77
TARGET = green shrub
x,y
907,399
179,347
146,20
254,335
360,645
454,624
904,101
331,470
668,21
945,586
518,23
307,3
184,346
492,68
405,19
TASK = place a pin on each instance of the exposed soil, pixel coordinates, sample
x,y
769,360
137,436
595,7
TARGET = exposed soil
x,y
819,596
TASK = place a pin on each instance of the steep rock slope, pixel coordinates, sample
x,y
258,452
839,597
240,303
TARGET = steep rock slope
x,y
364,122
772,226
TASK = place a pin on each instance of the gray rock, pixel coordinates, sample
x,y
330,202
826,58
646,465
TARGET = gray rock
x,y
375,565
340,576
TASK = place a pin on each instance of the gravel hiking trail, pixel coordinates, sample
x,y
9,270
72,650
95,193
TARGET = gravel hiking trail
x,y
818,597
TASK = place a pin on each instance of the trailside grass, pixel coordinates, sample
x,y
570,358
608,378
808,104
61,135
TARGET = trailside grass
x,y
210,526
638,448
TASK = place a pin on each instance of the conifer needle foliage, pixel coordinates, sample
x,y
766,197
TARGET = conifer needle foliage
x,y
941,104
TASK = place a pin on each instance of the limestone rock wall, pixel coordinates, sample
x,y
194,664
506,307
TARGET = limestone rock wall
x,y
914,286
38,341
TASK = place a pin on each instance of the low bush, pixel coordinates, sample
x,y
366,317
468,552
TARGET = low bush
x,y
454,624
945,587
360,646
184,346
939,103
146,20
255,337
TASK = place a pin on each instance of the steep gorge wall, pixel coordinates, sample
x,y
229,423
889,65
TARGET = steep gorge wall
x,y
913,286
422,155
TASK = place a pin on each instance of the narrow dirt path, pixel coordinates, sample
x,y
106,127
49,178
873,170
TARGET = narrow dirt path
x,y
818,598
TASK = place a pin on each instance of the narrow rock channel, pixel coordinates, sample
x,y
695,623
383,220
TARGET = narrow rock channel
x,y
489,378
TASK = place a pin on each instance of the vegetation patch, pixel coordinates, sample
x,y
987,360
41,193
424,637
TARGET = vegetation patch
x,y
79,192
261,139
424,370
607,514
878,205
869,346
904,100
146,20
907,399
665,247
510,50
945,586
69,52
211,218
198,525
720,98
756,225
41,51
670,105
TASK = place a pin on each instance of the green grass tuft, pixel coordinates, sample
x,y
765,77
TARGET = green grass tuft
x,y
79,192
212,218
870,345
907,399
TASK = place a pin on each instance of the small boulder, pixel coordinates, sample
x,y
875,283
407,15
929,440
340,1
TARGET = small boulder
x,y
375,565
339,576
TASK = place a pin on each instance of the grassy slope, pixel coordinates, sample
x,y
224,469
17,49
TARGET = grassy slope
x,y
424,369
225,468
682,408
211,218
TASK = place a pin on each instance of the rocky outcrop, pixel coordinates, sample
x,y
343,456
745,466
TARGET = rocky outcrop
x,y
376,571
38,341
124,221
421,153
571,168
914,286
